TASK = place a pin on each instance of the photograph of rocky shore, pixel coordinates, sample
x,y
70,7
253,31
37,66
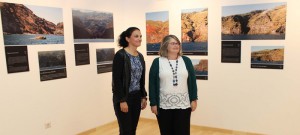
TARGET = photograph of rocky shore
x,y
31,25
271,57
92,26
201,68
105,58
157,27
52,65
254,22
194,31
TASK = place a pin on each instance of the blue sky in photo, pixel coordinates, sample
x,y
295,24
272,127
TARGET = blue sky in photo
x,y
241,9
158,16
195,61
51,14
192,10
259,48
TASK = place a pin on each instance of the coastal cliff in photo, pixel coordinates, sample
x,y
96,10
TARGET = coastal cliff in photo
x,y
268,55
156,30
261,23
92,26
194,26
21,25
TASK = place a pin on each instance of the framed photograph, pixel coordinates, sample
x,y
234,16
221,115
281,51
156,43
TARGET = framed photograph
x,y
267,57
105,57
194,31
31,25
92,26
157,27
254,22
52,65
201,68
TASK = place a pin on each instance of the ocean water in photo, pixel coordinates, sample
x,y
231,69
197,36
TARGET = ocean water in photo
x,y
253,37
190,47
92,40
267,62
52,68
194,47
29,39
202,73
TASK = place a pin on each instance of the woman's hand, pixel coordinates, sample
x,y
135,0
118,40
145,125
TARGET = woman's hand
x,y
154,109
194,105
124,107
143,103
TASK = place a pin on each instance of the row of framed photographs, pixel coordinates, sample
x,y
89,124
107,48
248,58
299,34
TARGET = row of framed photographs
x,y
36,25
52,64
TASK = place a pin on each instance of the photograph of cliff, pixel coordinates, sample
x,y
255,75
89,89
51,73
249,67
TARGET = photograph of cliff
x,y
31,25
194,31
52,65
271,57
254,22
105,58
92,26
157,27
201,68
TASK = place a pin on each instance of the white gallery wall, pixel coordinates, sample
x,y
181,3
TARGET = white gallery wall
x,y
234,97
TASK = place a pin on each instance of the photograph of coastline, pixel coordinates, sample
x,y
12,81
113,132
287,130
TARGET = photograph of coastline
x,y
92,26
254,22
105,58
201,68
52,65
194,31
157,27
270,57
31,25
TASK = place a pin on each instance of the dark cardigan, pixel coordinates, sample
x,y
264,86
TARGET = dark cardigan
x,y
154,82
121,74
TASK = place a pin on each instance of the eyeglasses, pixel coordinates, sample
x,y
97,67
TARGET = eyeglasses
x,y
174,43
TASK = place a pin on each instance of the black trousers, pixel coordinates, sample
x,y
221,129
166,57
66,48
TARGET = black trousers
x,y
174,121
129,121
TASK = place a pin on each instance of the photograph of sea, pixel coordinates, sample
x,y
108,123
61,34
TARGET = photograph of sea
x,y
31,25
268,57
254,22
105,58
157,27
52,65
201,68
92,26
194,31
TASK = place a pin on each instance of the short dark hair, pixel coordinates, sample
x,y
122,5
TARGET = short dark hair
x,y
127,33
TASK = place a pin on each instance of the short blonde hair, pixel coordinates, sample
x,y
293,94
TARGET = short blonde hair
x,y
163,51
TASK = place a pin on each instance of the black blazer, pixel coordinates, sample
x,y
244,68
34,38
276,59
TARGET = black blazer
x,y
121,76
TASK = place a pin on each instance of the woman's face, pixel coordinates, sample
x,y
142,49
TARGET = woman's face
x,y
173,46
135,39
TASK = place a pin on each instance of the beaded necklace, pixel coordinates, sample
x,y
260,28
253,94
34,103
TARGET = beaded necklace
x,y
175,80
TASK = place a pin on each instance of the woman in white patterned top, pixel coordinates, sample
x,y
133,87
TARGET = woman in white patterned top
x,y
172,88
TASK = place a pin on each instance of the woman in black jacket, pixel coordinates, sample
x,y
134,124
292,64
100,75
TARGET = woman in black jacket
x,y
128,85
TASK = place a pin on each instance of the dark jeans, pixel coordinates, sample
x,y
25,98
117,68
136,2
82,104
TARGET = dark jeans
x,y
174,121
129,121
